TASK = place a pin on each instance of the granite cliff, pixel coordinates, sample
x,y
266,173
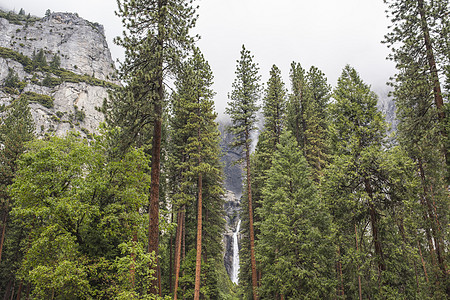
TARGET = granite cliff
x,y
62,63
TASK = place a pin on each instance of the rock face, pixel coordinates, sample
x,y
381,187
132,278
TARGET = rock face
x,y
82,49
232,171
387,106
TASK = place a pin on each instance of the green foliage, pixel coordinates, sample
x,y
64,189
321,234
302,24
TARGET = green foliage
x,y
194,151
295,107
11,54
294,244
422,129
87,205
16,128
370,191
274,107
137,287
12,83
55,62
243,99
39,59
12,79
50,81
17,19
67,76
44,100
79,114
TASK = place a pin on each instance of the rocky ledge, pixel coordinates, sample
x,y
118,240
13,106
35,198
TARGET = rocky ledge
x,y
76,86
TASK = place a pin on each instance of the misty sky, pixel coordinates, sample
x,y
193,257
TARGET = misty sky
x,y
325,33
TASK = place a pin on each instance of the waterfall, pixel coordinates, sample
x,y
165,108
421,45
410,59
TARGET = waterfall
x,y
234,276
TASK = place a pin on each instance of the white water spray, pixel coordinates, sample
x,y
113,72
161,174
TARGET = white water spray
x,y
235,271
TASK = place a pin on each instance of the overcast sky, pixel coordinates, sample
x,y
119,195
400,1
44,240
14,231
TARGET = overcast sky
x,y
325,33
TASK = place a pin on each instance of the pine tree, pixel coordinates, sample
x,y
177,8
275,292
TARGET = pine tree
x,y
368,185
356,132
306,114
242,110
316,121
55,62
419,43
274,107
196,148
158,37
419,27
296,102
16,128
294,245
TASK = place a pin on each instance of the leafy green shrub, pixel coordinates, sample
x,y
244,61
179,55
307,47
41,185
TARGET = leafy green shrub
x,y
44,100
12,83
10,90
12,79
26,62
51,81
55,118
79,114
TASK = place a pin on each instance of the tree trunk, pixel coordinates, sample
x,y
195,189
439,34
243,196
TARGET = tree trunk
x,y
19,292
3,230
171,267
133,261
180,217
433,237
374,224
7,290
438,99
250,217
359,276
28,291
423,262
339,273
153,227
198,262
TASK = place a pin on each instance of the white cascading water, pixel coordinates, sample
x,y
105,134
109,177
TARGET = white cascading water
x,y
234,275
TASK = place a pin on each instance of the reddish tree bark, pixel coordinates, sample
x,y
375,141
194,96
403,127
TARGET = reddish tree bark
x,y
153,228
198,262
178,246
2,238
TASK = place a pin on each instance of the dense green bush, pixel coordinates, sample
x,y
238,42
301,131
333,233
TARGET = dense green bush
x,y
44,100
26,62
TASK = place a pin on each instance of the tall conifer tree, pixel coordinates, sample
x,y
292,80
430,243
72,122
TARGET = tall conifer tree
x,y
242,110
157,38
195,141
419,42
294,245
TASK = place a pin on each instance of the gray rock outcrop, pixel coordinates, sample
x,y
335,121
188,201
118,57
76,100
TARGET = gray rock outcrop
x,y
82,49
